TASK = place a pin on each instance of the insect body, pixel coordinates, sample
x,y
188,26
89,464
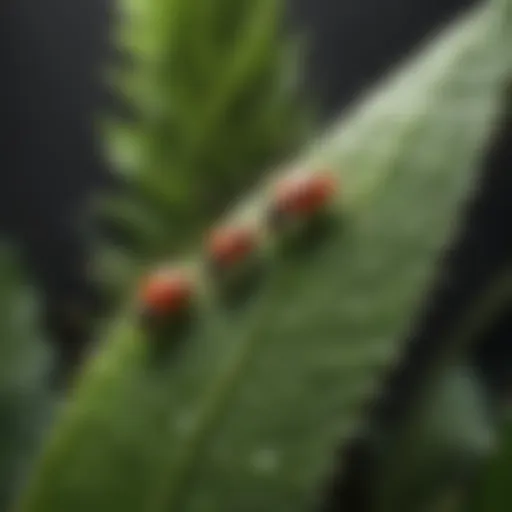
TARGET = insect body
x,y
165,292
302,196
231,246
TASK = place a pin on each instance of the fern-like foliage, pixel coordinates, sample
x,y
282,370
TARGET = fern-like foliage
x,y
213,96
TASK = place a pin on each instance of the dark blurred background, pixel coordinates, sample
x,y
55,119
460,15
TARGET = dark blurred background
x,y
51,58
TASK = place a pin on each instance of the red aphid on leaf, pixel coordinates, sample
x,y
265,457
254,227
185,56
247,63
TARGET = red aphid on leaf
x,y
228,246
165,292
304,195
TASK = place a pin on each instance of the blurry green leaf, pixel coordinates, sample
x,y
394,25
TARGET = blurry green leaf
x,y
454,433
246,411
215,98
24,362
469,421
122,212
493,492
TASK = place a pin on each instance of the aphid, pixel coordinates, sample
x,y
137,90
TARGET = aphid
x,y
230,246
302,196
165,292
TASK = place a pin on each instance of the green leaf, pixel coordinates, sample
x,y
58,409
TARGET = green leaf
x,y
143,225
25,400
454,433
492,491
245,410
402,449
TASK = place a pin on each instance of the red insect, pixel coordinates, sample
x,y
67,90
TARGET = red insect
x,y
166,292
231,245
304,195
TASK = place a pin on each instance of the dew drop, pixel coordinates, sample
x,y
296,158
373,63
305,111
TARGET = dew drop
x,y
265,460
185,423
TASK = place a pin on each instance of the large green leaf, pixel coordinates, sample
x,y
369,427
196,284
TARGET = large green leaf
x,y
246,410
